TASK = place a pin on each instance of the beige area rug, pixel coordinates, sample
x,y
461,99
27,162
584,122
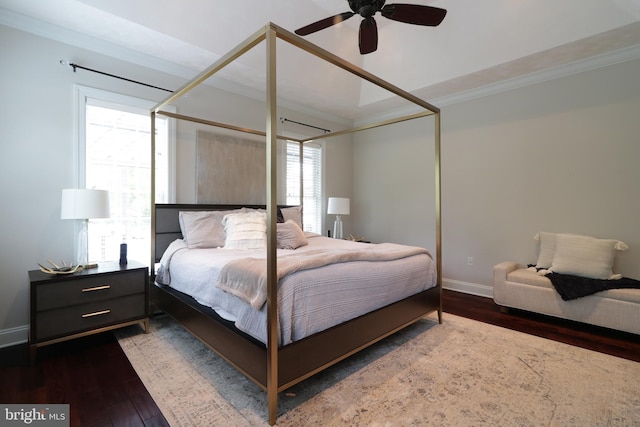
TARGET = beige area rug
x,y
460,373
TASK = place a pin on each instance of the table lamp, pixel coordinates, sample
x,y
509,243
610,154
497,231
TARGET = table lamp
x,y
338,206
84,204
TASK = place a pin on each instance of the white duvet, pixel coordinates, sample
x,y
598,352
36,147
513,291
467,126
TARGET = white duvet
x,y
309,301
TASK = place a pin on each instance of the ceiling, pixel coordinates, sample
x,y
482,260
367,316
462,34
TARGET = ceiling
x,y
480,45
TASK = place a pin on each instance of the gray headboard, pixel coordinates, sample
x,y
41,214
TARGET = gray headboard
x,y
167,228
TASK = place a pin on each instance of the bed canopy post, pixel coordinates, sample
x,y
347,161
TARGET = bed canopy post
x,y
438,203
301,166
272,290
152,264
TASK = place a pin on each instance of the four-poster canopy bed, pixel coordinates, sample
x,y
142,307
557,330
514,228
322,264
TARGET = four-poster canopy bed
x,y
273,366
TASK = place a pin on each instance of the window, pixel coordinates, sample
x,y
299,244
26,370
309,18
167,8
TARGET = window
x,y
114,154
312,183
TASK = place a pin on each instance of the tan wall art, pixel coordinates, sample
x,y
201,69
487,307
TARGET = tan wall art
x,y
230,170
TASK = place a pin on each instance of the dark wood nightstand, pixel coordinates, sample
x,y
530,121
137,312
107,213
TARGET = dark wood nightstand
x,y
64,307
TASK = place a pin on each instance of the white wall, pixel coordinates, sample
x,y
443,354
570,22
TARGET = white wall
x,y
37,148
560,156
394,185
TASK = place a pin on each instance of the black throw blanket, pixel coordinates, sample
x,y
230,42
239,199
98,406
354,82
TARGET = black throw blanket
x,y
572,287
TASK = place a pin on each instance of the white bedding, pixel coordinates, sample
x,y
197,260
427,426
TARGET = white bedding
x,y
309,301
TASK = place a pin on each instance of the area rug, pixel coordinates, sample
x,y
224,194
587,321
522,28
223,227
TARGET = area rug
x,y
459,373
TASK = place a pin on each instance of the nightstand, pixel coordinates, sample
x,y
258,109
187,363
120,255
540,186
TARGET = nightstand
x,y
65,307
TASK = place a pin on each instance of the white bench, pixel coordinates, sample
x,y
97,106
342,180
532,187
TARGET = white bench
x,y
516,287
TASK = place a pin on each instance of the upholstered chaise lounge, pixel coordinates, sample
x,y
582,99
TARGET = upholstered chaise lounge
x,y
516,286
584,287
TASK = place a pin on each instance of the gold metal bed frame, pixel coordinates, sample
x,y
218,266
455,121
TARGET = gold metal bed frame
x,y
271,367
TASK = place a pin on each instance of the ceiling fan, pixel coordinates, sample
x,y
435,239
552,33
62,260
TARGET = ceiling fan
x,y
368,34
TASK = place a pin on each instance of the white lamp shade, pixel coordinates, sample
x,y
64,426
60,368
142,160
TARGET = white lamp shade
x,y
80,203
338,206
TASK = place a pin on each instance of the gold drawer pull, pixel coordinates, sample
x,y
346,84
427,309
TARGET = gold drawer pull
x,y
96,313
96,288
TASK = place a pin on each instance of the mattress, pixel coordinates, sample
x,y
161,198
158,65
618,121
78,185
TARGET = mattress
x,y
309,300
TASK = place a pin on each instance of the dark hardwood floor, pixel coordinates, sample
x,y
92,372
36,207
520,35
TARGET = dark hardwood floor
x,y
615,343
94,377
91,374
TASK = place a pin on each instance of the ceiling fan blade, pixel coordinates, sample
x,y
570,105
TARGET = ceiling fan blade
x,y
414,14
323,23
368,36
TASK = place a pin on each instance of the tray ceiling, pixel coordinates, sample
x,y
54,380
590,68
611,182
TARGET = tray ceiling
x,y
479,44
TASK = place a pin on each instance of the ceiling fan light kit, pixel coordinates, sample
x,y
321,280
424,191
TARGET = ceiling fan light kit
x,y
368,34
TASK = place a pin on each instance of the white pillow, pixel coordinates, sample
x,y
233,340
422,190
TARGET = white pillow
x,y
585,256
290,236
547,249
202,229
294,213
246,230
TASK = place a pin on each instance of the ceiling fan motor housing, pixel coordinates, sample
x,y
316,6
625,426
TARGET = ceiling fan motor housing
x,y
366,8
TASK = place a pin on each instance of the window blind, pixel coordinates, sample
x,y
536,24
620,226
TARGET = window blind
x,y
312,183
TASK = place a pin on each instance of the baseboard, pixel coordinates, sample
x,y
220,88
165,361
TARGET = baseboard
x,y
468,288
14,336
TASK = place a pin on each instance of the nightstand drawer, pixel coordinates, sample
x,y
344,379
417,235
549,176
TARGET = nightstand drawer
x,y
64,321
90,289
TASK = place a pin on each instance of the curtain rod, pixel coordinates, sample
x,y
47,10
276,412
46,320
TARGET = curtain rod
x,y
74,66
284,119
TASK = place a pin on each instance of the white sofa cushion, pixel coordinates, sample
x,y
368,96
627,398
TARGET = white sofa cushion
x,y
547,249
580,255
528,277
584,256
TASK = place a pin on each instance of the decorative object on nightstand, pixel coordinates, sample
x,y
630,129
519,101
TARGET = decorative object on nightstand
x,y
59,269
84,204
70,306
361,239
338,206
123,254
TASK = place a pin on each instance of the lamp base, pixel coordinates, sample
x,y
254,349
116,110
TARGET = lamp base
x,y
82,250
83,247
337,228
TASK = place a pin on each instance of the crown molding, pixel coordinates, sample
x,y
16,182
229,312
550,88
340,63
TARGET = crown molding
x,y
599,61
73,38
